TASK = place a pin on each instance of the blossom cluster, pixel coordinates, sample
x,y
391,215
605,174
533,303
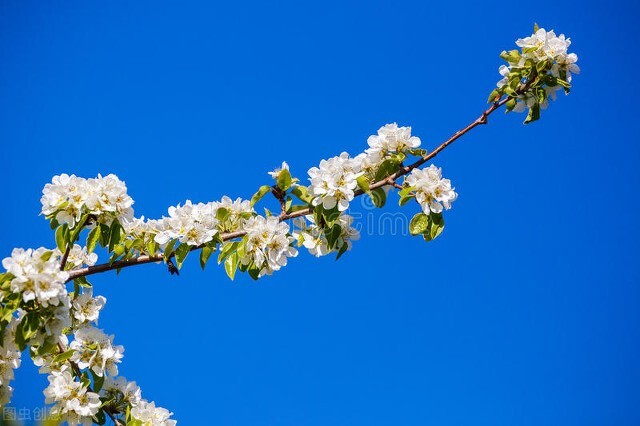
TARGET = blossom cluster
x,y
534,74
313,237
432,192
268,244
335,181
86,308
74,402
192,224
547,46
36,276
9,361
68,197
197,224
390,139
95,350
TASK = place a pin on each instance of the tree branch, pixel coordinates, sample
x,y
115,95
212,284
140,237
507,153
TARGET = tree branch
x,y
390,180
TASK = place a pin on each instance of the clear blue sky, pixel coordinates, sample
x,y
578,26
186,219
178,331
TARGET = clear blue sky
x,y
525,311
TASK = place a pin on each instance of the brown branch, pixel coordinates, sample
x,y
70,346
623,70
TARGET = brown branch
x,y
390,180
65,257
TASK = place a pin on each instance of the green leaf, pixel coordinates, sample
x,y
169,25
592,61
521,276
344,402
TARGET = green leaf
x,y
98,381
535,27
343,249
534,114
181,254
435,228
231,264
152,247
419,224
222,214
78,228
284,180
330,216
363,183
92,239
492,96
61,240
105,231
387,168
47,346
333,234
26,329
254,272
205,253
46,255
100,418
301,193
379,197
227,248
115,234
63,356
82,282
405,195
168,250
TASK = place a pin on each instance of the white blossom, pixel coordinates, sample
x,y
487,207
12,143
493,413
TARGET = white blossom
x,y
268,244
192,224
73,401
334,181
9,361
150,415
432,191
37,276
504,72
95,350
541,46
67,198
238,209
121,390
312,237
391,138
86,308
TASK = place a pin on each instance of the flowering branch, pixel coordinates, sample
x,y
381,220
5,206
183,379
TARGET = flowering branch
x,y
391,180
39,312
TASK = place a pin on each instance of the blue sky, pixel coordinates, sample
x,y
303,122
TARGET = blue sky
x,y
524,312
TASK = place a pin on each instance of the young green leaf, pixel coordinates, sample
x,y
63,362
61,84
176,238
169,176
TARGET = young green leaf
x,y
419,224
168,250
181,254
205,253
284,179
262,191
92,239
363,183
231,264
301,193
61,238
379,197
